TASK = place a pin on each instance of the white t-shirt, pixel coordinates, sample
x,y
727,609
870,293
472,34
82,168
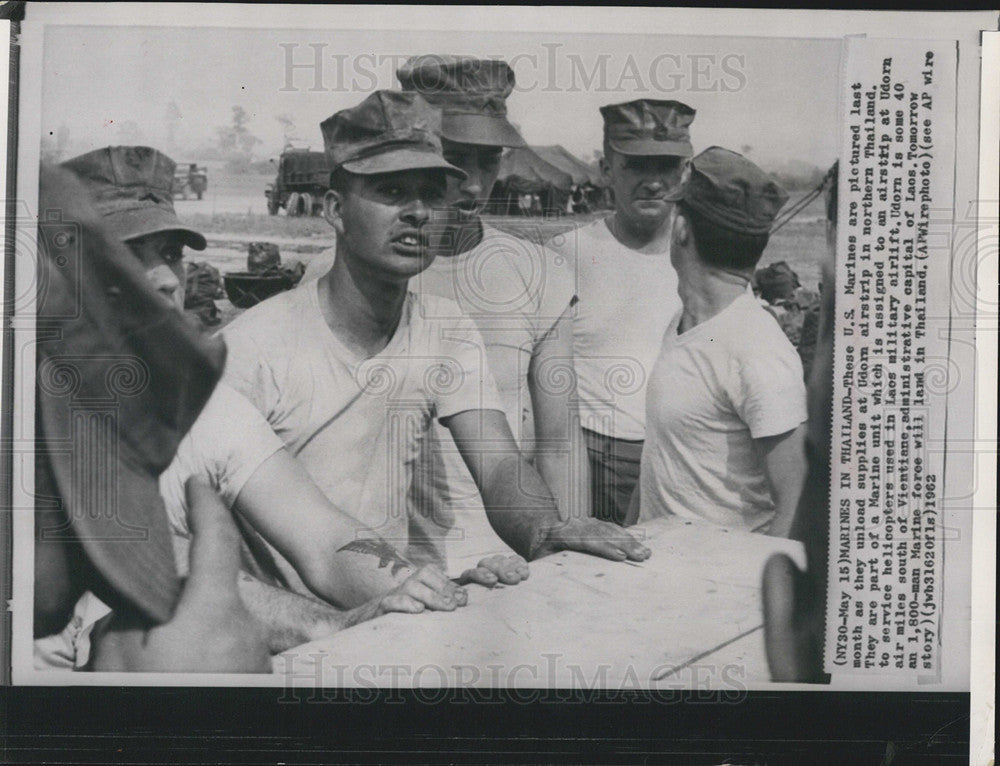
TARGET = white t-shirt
x,y
357,424
714,389
227,443
515,291
626,300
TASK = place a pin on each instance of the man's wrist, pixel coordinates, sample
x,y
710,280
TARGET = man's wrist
x,y
544,542
326,620
363,613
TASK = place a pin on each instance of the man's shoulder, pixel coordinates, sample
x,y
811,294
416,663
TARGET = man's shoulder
x,y
277,315
222,428
225,405
755,339
320,264
757,322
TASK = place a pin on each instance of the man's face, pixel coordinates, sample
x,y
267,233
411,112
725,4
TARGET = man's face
x,y
380,219
481,165
645,188
161,255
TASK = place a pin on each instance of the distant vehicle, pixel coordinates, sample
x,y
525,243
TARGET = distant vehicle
x,y
302,181
190,179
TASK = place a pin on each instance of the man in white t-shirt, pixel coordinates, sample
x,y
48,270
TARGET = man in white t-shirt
x,y
518,293
232,449
349,369
726,403
627,290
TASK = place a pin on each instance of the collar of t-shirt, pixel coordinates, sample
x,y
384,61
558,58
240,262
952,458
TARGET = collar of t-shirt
x,y
739,303
394,347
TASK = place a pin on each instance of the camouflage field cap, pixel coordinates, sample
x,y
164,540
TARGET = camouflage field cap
x,y
647,127
730,191
132,188
387,132
120,378
471,94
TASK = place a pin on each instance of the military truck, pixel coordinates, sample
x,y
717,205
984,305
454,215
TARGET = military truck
x,y
190,179
302,181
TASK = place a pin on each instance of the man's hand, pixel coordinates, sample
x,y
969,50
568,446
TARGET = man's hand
x,y
211,630
519,504
427,588
509,570
598,538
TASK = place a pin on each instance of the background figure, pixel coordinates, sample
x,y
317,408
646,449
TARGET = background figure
x,y
795,601
627,290
109,535
726,402
520,296
130,187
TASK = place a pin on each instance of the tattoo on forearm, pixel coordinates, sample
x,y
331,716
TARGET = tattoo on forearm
x,y
385,552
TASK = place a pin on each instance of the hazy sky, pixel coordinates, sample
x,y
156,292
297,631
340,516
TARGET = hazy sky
x,y
777,96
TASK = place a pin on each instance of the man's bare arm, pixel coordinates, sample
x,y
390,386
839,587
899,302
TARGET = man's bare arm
x,y
519,505
288,618
785,465
560,452
340,560
336,556
291,619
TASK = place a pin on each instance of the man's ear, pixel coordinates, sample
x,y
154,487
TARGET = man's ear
x,y
605,166
332,203
685,173
682,228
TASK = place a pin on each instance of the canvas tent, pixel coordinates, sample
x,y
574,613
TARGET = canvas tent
x,y
579,171
522,170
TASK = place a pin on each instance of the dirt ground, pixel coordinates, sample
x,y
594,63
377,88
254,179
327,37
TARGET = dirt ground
x,y
233,213
229,193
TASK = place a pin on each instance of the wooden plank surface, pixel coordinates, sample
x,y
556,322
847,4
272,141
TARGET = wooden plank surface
x,y
678,620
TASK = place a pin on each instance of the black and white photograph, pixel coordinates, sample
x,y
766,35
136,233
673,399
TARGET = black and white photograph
x,y
475,351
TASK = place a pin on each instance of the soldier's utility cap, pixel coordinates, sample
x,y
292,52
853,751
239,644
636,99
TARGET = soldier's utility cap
x,y
387,132
471,94
132,189
730,191
120,378
647,127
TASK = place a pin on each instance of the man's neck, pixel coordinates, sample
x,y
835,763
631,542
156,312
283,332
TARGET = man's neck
x,y
654,240
363,312
706,291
